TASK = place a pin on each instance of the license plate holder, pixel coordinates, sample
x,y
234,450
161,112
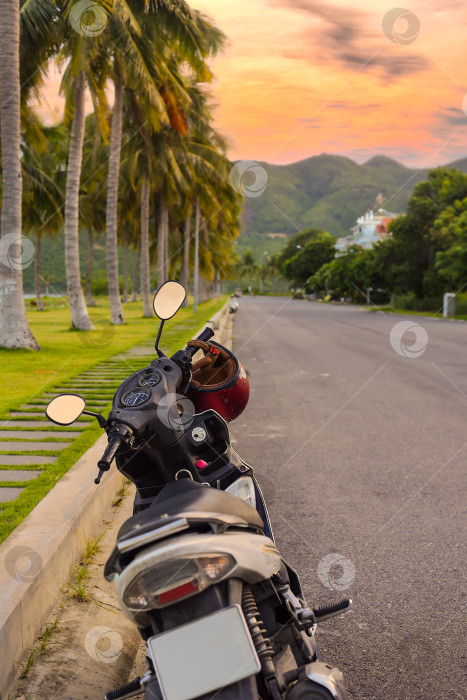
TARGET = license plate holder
x,y
204,655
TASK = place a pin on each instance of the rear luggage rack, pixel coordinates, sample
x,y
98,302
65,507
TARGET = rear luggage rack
x,y
152,535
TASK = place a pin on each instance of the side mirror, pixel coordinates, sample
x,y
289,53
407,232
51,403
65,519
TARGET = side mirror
x,y
168,299
65,409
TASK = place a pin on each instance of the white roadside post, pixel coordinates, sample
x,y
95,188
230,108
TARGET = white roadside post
x,y
449,305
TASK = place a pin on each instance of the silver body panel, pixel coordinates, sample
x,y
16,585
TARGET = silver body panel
x,y
256,559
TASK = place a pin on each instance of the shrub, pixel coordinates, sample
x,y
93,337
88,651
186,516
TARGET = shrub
x,y
461,304
409,302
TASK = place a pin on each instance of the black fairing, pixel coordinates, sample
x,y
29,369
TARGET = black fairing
x,y
188,496
146,420
164,442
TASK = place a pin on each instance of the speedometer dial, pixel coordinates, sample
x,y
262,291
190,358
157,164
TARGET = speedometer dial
x,y
150,380
136,397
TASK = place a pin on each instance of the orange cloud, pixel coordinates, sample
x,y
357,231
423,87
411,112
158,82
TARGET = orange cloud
x,y
302,77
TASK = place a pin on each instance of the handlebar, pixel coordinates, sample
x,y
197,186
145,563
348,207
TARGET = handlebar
x,y
110,452
205,335
118,435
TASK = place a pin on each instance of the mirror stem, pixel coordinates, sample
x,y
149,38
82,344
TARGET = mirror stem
x,y
100,418
156,344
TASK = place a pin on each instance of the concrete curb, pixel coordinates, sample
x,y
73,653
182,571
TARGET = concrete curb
x,y
37,558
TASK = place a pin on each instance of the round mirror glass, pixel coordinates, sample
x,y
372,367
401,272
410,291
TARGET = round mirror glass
x,y
168,299
65,409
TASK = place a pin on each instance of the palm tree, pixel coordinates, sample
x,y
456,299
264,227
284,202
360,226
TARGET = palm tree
x,y
42,192
248,266
129,209
133,66
92,203
47,278
185,273
14,328
87,65
139,63
79,313
211,195
134,276
145,270
116,310
180,39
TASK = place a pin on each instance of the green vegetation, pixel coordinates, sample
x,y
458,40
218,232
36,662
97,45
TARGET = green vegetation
x,y
429,314
44,639
122,492
28,374
140,180
429,306
261,276
328,192
305,254
52,269
66,353
425,255
77,586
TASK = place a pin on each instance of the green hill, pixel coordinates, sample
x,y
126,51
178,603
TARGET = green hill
x,y
326,191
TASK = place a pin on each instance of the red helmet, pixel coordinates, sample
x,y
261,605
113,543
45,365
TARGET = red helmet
x,y
218,381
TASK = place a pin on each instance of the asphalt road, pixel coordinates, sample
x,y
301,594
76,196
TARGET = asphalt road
x,y
361,452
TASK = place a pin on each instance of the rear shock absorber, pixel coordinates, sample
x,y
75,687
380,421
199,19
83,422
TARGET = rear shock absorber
x,y
261,640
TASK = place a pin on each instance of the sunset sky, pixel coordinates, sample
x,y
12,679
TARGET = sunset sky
x,y
303,77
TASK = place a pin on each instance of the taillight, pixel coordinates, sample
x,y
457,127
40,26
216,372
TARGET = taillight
x,y
173,594
175,580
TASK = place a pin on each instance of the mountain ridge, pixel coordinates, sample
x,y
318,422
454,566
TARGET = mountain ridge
x,y
328,191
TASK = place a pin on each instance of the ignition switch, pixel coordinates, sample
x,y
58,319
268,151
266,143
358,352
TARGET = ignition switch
x,y
198,434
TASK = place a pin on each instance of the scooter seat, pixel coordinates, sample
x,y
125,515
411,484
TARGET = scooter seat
x,y
183,499
185,496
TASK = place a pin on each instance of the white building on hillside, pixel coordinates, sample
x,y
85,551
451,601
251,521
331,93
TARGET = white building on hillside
x,y
369,229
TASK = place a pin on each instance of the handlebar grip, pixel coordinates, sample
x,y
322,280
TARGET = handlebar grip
x,y
205,335
110,452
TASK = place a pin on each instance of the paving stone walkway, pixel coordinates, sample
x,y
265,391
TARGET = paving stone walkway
x,y
29,443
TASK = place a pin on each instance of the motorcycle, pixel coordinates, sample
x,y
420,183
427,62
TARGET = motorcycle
x,y
234,304
196,567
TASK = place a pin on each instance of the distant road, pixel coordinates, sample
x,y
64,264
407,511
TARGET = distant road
x,y
363,454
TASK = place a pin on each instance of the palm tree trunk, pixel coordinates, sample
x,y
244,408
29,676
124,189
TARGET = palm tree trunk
x,y
186,255
134,277
160,244
145,274
196,265
116,310
165,214
79,313
37,274
14,328
125,268
89,300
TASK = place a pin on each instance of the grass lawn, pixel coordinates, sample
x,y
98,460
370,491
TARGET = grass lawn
x,y
431,314
65,354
